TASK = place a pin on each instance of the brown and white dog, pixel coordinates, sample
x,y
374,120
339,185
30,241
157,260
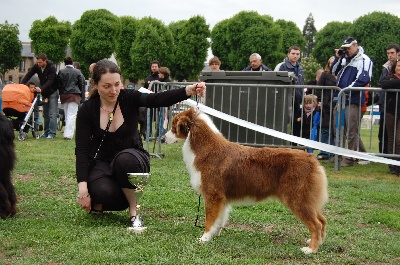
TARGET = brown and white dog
x,y
226,173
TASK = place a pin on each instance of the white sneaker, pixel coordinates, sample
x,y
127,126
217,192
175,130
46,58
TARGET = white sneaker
x,y
364,162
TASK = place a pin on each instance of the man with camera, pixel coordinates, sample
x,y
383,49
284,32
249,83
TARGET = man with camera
x,y
353,69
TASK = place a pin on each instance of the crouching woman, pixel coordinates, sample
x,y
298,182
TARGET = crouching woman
x,y
108,145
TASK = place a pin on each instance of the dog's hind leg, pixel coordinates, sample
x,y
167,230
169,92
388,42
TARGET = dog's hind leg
x,y
310,218
216,216
314,221
322,219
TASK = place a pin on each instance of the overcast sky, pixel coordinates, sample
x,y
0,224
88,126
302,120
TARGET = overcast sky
x,y
24,12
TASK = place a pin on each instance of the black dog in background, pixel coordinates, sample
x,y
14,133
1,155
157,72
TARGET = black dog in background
x,y
8,199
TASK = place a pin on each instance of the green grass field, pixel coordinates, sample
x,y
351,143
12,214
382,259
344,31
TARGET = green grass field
x,y
363,219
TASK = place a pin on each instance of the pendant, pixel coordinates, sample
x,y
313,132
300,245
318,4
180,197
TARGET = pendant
x,y
111,116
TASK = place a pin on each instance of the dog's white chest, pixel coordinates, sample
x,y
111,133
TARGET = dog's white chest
x,y
188,158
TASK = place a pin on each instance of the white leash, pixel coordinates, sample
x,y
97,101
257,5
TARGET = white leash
x,y
309,143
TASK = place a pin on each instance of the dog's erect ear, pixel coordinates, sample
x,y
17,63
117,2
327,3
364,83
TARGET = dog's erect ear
x,y
183,126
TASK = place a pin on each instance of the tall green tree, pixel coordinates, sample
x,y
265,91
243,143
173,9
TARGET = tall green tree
x,y
124,45
191,48
10,47
219,43
330,38
153,42
291,35
247,33
51,37
309,32
94,36
374,32
176,29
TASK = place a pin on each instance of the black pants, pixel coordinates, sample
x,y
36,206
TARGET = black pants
x,y
106,180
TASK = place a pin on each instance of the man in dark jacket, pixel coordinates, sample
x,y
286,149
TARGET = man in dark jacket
x,y
154,67
256,64
291,64
46,72
392,51
71,87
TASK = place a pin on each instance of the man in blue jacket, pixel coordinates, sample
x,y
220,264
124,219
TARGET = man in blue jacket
x,y
291,64
46,72
353,69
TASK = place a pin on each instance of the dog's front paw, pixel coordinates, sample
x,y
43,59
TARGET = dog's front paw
x,y
307,250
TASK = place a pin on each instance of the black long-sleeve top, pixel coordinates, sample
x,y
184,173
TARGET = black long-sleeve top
x,y
392,98
89,134
47,77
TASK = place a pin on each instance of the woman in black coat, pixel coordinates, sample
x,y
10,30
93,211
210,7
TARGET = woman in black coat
x,y
107,130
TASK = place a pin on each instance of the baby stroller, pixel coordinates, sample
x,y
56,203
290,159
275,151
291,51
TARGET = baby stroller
x,y
19,106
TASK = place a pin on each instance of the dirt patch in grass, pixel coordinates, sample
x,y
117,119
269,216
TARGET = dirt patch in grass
x,y
23,178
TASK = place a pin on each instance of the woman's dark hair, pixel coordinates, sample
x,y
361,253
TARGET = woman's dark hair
x,y
103,67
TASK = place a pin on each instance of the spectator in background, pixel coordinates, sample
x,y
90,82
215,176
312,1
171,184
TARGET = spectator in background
x,y
392,51
313,82
353,69
153,76
90,85
291,64
36,94
325,99
71,87
305,116
392,116
46,72
256,64
214,63
77,66
164,76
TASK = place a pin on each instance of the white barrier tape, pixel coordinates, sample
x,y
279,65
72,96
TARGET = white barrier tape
x,y
309,143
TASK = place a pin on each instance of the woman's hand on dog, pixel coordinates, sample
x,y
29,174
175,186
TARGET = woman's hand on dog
x,y
196,89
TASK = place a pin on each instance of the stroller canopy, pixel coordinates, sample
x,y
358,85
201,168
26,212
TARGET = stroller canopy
x,y
18,97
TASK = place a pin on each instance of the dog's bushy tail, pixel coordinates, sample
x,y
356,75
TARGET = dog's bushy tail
x,y
324,197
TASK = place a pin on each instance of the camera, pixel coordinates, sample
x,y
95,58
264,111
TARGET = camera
x,y
342,52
